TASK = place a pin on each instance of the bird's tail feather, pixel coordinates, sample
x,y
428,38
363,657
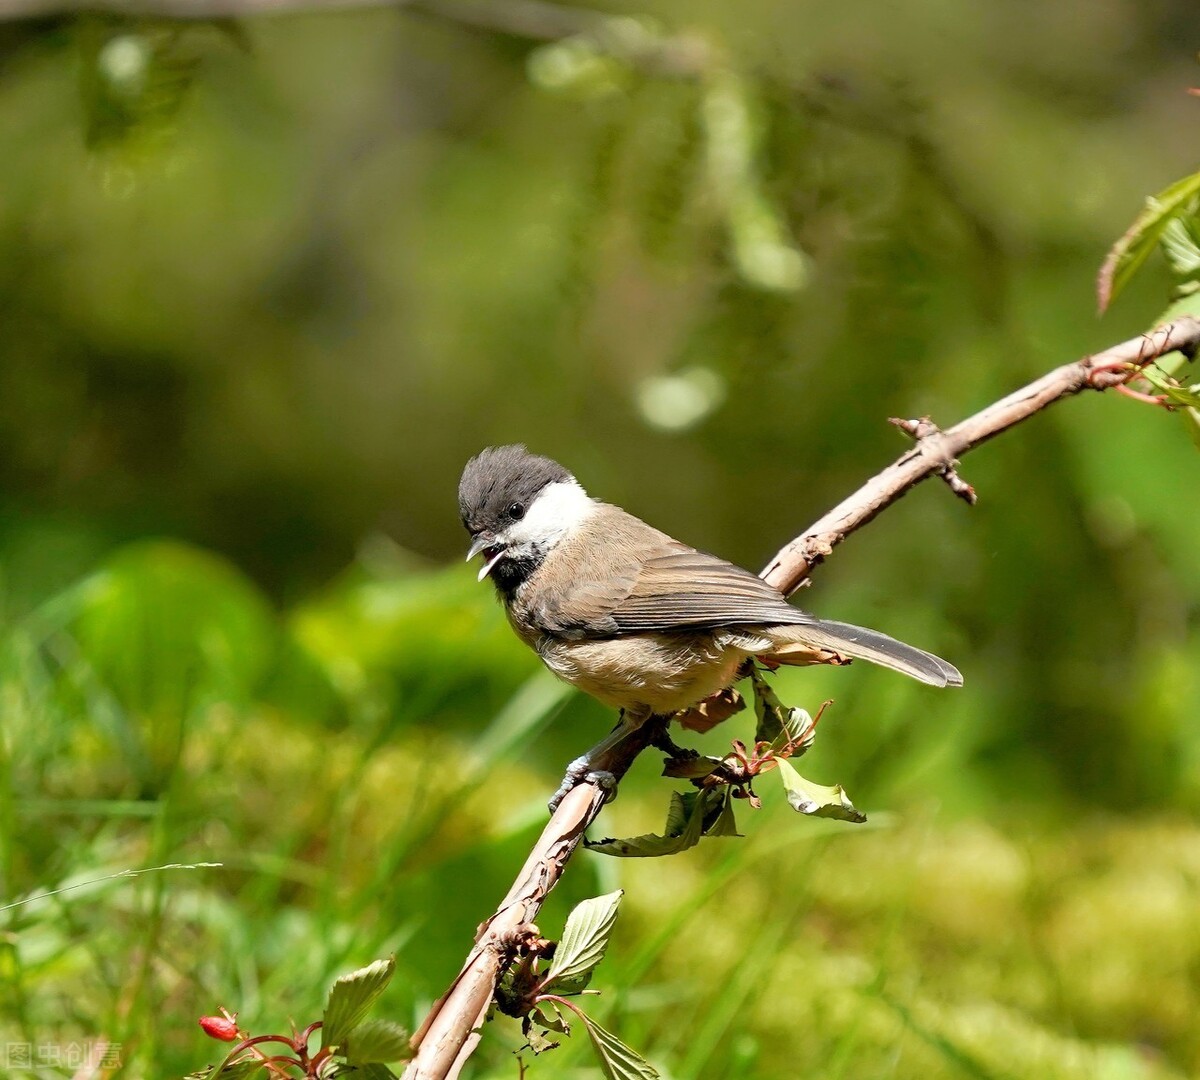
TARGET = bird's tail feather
x,y
795,645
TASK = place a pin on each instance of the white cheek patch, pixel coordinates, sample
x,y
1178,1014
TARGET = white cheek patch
x,y
558,509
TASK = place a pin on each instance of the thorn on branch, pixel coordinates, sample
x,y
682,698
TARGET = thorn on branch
x,y
924,430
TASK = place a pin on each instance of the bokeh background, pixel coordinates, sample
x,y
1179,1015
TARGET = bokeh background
x,y
267,282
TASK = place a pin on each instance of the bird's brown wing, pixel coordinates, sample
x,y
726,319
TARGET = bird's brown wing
x,y
688,589
649,583
671,587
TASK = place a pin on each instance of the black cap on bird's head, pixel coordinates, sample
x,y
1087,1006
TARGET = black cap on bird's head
x,y
497,489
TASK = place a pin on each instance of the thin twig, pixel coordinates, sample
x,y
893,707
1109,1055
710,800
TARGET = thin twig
x,y
936,452
451,1031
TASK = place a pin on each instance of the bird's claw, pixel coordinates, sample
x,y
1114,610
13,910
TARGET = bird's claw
x,y
580,771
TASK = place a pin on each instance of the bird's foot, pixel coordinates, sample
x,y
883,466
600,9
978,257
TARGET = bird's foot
x,y
580,771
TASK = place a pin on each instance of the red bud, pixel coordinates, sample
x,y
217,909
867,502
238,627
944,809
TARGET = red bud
x,y
219,1027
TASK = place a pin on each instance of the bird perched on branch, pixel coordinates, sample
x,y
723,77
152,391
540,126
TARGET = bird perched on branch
x,y
637,619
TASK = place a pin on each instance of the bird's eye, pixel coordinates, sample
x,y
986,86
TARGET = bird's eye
x,y
516,511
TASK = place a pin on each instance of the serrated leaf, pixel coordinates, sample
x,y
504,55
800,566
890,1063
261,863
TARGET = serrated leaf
x,y
377,1041
1140,239
351,999
689,817
816,799
617,1061
1181,245
584,939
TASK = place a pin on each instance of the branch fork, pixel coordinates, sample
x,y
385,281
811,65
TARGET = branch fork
x,y
930,441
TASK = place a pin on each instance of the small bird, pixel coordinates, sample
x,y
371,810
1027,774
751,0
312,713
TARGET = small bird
x,y
640,621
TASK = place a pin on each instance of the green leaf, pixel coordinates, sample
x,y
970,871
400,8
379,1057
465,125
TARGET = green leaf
x,y
778,724
689,817
351,999
809,798
371,1071
377,1041
1186,396
1140,239
768,708
539,1041
1181,245
550,1023
584,939
726,823
617,1061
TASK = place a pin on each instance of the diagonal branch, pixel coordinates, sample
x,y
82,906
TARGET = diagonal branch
x,y
452,1030
935,452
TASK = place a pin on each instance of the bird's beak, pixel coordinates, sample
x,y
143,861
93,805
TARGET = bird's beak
x,y
491,548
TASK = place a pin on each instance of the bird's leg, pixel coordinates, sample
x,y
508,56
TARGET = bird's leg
x,y
586,767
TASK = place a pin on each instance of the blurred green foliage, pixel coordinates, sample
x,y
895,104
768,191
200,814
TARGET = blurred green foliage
x,y
266,284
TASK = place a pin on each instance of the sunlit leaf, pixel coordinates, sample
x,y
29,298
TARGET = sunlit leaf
x,y
809,798
617,1061
584,939
1140,239
689,817
377,1040
1186,396
1181,245
351,999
